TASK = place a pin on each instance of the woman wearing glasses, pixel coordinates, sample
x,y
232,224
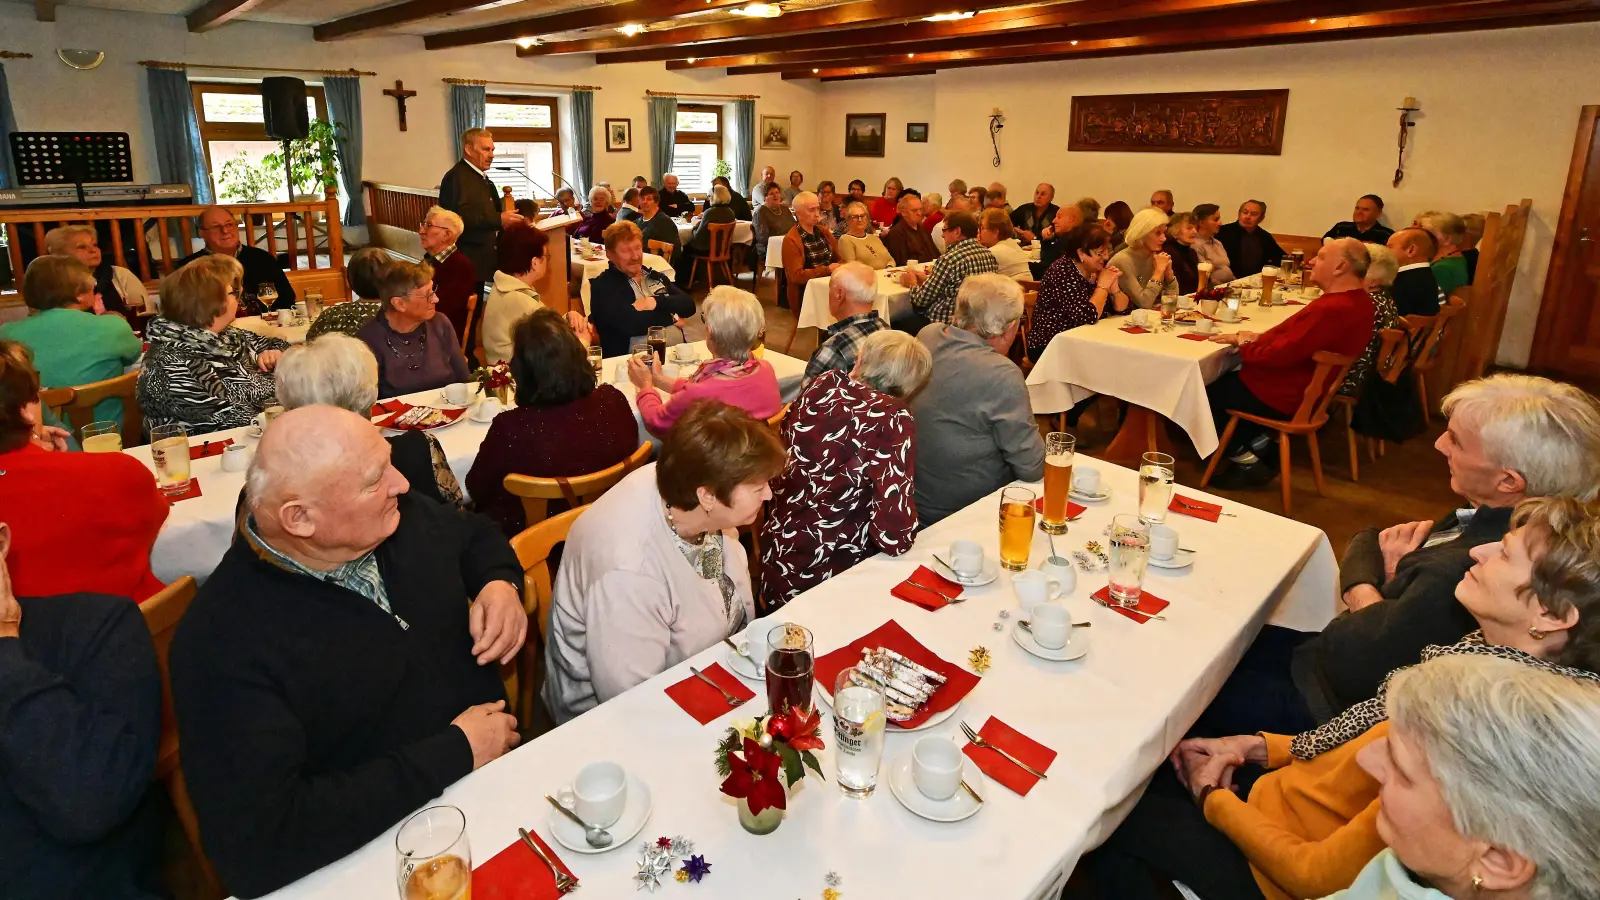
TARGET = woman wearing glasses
x,y
857,244
417,349
1079,288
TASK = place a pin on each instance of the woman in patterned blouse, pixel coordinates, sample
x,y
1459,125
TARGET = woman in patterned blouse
x,y
846,492
1380,279
1078,289
200,373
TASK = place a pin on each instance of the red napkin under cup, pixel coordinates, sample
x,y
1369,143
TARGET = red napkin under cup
x,y
1200,509
1019,745
699,700
208,448
1294,303
193,491
927,589
958,681
517,873
1148,603
1135,329
1072,508
1195,336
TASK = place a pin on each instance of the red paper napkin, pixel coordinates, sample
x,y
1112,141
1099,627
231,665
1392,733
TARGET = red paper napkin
x,y
208,448
1018,745
958,681
927,589
1072,508
517,873
1148,603
1195,336
1200,509
699,700
389,421
1294,303
1135,329
385,407
193,491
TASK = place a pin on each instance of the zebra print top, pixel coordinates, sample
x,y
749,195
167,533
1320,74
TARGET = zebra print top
x,y
204,381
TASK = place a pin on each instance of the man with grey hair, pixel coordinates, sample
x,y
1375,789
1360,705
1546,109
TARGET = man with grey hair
x,y
906,240
341,666
1250,247
851,292
1162,200
1033,220
975,429
467,191
675,203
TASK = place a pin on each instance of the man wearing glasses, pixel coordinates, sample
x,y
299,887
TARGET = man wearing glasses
x,y
220,231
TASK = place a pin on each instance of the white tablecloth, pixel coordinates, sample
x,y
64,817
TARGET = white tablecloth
x,y
592,268
1113,717
294,334
1158,371
198,530
743,230
814,303
775,252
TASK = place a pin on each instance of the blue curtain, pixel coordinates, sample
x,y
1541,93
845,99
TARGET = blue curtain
x,y
8,124
744,143
663,134
344,107
583,138
179,154
466,111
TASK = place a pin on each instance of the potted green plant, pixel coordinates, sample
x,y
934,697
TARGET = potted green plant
x,y
313,160
721,167
244,182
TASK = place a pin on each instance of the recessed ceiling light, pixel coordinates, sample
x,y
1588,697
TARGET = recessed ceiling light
x,y
1074,43
631,29
815,71
911,56
1313,21
759,11
691,59
950,16
526,42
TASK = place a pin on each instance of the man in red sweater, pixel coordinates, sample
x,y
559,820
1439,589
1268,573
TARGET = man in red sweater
x,y
1275,368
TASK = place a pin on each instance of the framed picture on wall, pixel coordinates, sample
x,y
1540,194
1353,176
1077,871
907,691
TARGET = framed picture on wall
x,y
864,134
619,135
774,132
916,132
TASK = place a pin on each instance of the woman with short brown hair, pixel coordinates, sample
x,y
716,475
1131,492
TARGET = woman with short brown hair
x,y
653,572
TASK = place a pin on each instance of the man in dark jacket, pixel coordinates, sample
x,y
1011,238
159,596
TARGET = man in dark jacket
x,y
1031,221
467,191
1415,290
1249,246
1363,225
220,232
675,203
338,669
628,299
736,200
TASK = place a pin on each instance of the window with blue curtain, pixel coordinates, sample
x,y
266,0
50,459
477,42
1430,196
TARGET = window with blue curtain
x,y
343,93
179,154
8,124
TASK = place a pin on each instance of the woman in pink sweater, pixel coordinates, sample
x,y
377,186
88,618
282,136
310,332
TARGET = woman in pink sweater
x,y
734,324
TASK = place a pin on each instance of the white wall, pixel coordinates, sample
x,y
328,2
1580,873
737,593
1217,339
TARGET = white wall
x,y
1499,115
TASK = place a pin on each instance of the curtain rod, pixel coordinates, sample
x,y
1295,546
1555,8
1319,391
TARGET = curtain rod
x,y
479,81
162,64
719,96
12,54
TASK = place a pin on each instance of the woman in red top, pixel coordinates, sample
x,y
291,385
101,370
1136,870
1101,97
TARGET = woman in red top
x,y
80,522
885,208
847,490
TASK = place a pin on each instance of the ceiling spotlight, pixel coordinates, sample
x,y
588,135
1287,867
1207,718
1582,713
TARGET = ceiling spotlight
x,y
631,29
691,59
815,71
911,56
1313,21
950,16
526,42
759,11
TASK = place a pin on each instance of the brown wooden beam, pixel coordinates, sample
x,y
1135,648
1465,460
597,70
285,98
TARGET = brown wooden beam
x,y
897,74
44,10
390,16
597,16
217,13
894,67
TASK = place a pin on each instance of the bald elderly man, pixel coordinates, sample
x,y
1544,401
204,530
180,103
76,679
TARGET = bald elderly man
x,y
1033,220
220,232
339,667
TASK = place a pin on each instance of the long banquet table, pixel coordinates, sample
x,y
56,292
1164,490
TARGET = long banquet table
x,y
814,303
198,530
1113,716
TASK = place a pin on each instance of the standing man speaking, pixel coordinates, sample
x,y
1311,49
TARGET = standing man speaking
x,y
467,191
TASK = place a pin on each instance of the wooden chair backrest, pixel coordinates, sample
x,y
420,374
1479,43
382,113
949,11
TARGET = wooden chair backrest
x,y
722,241
1030,299
1428,331
472,306
661,249
775,421
1392,355
533,546
1029,285
1499,250
536,493
57,399
1325,382
80,411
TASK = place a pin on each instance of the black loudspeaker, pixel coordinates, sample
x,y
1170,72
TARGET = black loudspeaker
x,y
284,108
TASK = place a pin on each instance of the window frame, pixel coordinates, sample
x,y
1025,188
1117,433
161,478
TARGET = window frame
x,y
239,131
701,137
519,135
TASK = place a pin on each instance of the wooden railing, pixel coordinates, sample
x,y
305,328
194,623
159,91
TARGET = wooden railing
x,y
165,235
394,212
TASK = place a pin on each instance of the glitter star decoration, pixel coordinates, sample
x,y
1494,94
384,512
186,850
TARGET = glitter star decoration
x,y
682,846
830,894
664,842
978,660
832,879
694,869
682,875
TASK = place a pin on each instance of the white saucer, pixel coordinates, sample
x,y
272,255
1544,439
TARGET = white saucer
x,y
1180,559
1074,648
444,401
935,719
1103,494
991,571
741,665
254,432
959,806
569,835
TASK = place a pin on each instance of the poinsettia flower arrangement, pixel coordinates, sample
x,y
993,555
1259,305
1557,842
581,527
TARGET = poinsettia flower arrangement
x,y
493,377
754,754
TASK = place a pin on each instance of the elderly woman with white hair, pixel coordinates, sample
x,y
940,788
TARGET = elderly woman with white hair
x,y
1311,823
1145,268
455,279
1379,279
735,325
339,370
846,492
599,216
120,290
975,428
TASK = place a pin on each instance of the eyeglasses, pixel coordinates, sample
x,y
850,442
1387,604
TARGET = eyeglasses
x,y
856,216
225,226
427,225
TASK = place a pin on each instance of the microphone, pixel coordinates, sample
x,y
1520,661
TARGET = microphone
x,y
533,187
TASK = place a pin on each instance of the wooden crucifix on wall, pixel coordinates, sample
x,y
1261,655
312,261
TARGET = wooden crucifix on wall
x,y
401,95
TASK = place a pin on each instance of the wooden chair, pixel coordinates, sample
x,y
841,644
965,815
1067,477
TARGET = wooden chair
x,y
57,399
662,249
1393,353
1307,420
162,612
472,307
775,421
720,255
1426,334
1030,299
80,411
536,493
533,547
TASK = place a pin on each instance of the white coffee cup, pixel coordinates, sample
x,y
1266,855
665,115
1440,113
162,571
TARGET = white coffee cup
x,y
458,394
265,417
1228,314
583,244
235,458
1146,318
911,264
755,639
1204,326
966,557
936,767
1163,541
1209,307
486,409
285,317
1034,587
301,309
1062,574
1051,625
1086,479
598,795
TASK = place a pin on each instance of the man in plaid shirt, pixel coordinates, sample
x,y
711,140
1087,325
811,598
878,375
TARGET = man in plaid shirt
x,y
933,296
851,290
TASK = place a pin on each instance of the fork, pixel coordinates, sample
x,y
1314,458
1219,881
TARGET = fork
x,y
949,601
1133,609
980,742
1193,508
565,883
732,700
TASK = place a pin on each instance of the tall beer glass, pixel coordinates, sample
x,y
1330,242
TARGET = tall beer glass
x,y
1059,449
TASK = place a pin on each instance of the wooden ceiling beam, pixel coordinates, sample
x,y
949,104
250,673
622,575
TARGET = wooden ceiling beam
x,y
1200,42
897,74
1295,10
390,16
596,16
218,13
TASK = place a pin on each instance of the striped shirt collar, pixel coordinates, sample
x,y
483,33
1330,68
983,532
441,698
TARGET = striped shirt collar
x,y
360,575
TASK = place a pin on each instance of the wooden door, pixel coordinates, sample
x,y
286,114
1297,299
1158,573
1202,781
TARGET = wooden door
x,y
1567,341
